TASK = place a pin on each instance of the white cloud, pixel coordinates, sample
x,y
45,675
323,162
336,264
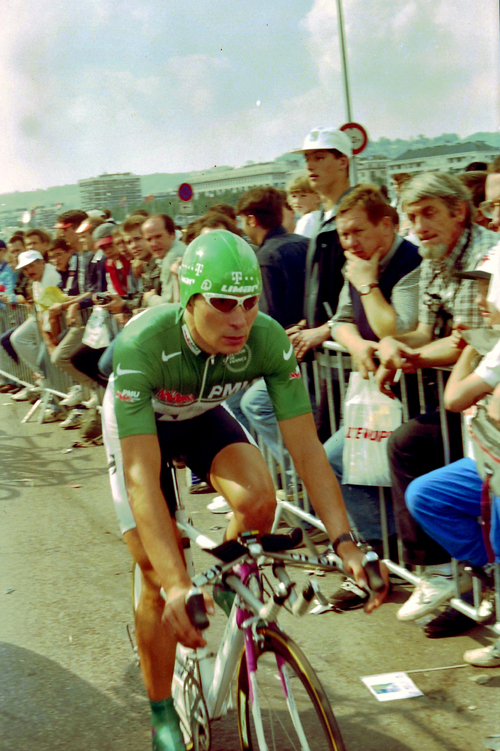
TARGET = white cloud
x,y
122,85
195,79
413,67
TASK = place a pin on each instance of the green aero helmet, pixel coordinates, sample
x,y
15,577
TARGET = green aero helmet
x,y
219,262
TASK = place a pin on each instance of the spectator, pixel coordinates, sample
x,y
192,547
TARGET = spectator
x,y
288,220
159,233
306,202
26,338
379,297
228,211
447,502
476,166
7,277
327,153
399,180
440,210
211,220
281,255
85,233
67,226
491,206
22,286
476,182
37,239
86,359
64,348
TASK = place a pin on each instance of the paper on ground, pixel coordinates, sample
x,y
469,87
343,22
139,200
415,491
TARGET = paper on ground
x,y
391,686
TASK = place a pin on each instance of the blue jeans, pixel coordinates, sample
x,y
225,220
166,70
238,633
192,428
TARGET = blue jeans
x,y
447,503
361,501
258,410
234,404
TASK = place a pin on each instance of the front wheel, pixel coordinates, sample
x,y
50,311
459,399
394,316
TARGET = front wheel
x,y
290,710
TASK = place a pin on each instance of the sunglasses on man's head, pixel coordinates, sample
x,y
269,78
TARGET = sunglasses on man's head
x,y
227,303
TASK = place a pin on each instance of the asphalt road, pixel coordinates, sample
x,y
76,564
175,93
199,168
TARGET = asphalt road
x,y
68,677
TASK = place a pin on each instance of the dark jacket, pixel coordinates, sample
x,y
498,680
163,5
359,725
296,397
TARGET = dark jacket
x,y
96,279
282,261
324,280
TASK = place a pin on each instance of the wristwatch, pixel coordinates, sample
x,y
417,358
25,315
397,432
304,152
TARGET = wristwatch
x,y
365,289
346,537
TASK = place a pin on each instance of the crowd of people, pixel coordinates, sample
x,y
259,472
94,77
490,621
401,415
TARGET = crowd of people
x,y
403,286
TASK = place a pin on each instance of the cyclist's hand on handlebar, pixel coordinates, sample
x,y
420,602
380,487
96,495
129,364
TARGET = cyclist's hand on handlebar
x,y
352,560
176,619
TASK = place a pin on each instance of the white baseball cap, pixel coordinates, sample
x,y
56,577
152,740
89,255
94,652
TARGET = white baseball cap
x,y
326,138
26,257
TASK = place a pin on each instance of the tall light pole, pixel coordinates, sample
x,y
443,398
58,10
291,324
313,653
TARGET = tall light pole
x,y
345,79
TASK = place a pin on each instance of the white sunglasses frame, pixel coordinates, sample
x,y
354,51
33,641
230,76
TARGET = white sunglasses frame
x,y
240,300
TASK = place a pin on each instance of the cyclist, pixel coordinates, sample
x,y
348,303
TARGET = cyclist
x,y
174,366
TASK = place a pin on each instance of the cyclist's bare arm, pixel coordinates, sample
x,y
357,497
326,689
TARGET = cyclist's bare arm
x,y
142,464
309,457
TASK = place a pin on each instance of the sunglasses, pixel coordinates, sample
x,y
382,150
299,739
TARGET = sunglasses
x,y
227,303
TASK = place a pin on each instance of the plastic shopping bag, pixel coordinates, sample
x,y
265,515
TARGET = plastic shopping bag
x,y
369,419
96,334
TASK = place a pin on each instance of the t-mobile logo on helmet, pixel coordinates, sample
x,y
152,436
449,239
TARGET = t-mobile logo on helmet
x,y
236,276
198,269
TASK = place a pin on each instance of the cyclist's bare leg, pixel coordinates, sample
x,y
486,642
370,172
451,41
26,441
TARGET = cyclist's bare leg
x,y
240,474
155,644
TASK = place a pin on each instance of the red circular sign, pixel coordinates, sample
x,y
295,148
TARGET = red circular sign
x,y
185,192
358,136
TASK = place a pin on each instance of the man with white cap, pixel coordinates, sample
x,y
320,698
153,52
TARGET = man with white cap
x,y
26,338
327,152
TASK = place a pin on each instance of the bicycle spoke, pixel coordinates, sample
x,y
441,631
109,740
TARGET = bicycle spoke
x,y
292,712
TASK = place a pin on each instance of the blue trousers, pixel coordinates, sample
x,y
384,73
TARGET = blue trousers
x,y
361,501
258,410
447,503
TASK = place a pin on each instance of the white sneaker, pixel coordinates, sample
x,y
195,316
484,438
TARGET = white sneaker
x,y
430,592
52,415
26,395
485,657
92,402
74,396
74,419
219,505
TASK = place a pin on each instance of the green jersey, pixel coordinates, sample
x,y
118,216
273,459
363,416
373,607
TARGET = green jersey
x,y
161,374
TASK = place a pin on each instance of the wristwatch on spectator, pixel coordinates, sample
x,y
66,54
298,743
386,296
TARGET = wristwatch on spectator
x,y
365,289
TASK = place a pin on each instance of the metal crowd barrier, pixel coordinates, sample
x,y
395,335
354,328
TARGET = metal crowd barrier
x,y
331,370
55,383
332,365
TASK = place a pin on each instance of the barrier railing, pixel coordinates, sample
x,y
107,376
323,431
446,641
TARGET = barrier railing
x,y
55,383
331,371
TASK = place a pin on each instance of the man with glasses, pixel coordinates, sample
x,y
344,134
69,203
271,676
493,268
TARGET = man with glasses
x,y
174,366
491,207
441,213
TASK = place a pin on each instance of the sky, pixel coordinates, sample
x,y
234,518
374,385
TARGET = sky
x,y
94,86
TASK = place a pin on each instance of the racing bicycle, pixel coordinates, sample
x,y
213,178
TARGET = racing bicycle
x,y
280,702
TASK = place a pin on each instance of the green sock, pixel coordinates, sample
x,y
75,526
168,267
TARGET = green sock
x,y
167,735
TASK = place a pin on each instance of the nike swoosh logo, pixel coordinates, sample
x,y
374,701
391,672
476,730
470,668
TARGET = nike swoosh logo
x,y
287,355
165,357
121,371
